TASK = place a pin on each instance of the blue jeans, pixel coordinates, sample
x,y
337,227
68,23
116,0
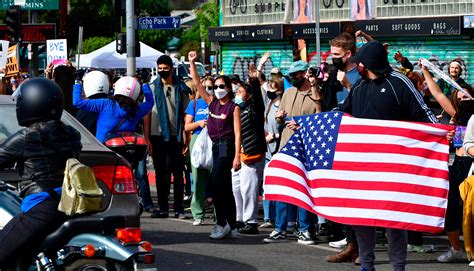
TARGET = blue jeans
x,y
269,210
287,213
142,180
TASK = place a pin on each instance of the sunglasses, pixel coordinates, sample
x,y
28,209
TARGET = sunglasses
x,y
168,92
221,86
209,87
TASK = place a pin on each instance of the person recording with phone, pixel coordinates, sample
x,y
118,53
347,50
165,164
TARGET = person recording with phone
x,y
303,98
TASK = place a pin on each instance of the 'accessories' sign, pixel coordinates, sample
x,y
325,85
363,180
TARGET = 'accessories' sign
x,y
308,31
439,26
246,33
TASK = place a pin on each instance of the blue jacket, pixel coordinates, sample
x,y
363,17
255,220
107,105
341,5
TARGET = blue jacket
x,y
180,89
110,112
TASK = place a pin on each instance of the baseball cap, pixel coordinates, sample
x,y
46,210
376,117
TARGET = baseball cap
x,y
298,66
275,70
374,57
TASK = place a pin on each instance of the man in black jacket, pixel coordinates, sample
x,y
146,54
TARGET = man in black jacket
x,y
382,93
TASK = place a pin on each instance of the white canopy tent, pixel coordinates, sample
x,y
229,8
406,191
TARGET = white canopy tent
x,y
108,58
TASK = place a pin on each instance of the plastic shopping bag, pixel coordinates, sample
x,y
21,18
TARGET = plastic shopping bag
x,y
201,154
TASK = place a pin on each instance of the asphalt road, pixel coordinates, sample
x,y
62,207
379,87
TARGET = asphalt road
x,y
178,245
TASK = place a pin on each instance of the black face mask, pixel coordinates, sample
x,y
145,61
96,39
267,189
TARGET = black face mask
x,y
164,74
339,63
272,95
363,72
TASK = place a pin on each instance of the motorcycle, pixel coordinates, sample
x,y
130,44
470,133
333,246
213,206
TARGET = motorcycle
x,y
83,242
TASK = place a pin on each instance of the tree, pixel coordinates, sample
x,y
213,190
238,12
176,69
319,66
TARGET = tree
x,y
94,43
207,15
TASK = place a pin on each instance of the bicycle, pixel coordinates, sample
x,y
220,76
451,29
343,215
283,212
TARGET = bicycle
x,y
328,3
233,4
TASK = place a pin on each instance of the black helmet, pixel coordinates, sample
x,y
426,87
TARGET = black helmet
x,y
39,99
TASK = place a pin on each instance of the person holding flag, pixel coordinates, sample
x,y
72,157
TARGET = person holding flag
x,y
382,93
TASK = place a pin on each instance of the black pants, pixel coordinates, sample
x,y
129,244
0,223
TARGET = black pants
x,y
23,235
168,159
219,185
457,173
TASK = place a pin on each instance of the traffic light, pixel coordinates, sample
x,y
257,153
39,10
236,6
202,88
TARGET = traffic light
x,y
13,22
121,43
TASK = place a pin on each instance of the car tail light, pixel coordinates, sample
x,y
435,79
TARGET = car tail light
x,y
119,179
129,235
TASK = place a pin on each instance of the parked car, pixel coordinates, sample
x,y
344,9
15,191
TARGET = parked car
x,y
113,173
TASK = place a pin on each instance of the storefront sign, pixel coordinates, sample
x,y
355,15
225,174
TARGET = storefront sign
x,y
439,26
32,33
246,33
31,4
308,31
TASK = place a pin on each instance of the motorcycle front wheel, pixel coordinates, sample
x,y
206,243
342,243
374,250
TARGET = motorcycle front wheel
x,y
87,264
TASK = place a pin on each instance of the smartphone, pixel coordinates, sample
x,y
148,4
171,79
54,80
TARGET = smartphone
x,y
287,118
58,62
459,133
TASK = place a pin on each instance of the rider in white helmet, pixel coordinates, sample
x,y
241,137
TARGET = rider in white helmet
x,y
119,113
96,86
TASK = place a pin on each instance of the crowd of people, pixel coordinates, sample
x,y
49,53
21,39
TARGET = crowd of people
x,y
249,121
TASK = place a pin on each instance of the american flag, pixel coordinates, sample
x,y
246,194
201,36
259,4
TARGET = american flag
x,y
366,172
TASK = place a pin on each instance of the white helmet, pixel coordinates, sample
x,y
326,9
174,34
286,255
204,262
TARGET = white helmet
x,y
96,82
127,86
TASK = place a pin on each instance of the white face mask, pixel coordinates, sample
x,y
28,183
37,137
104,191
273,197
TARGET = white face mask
x,y
220,93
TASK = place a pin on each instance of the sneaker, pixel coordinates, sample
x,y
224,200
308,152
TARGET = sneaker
x,y
249,229
339,244
471,264
304,238
275,237
159,214
233,233
218,232
420,249
266,224
239,224
198,222
451,256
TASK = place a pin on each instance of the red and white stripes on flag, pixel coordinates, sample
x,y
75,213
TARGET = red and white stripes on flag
x,y
382,173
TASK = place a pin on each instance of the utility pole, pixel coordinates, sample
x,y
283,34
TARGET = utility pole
x,y
318,36
131,26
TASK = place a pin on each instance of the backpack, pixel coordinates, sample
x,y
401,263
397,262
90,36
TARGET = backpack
x,y
80,193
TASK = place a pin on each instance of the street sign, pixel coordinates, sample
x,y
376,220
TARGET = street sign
x,y
32,33
153,23
31,4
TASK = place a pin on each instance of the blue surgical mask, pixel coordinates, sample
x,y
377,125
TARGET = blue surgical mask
x,y
239,100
